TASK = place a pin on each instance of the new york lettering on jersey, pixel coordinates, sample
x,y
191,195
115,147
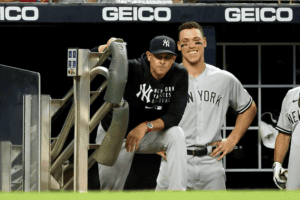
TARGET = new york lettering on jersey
x,y
293,116
290,112
205,95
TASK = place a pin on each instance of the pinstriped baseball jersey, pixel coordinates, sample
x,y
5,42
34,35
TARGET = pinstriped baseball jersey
x,y
290,112
209,96
288,123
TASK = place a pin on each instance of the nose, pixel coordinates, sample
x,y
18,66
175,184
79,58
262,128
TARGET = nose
x,y
162,61
192,44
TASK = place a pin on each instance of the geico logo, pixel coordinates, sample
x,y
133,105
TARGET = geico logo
x,y
134,14
14,13
258,14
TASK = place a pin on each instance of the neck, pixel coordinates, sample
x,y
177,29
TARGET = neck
x,y
196,68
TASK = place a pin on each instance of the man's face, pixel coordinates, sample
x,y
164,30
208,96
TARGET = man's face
x,y
160,63
191,44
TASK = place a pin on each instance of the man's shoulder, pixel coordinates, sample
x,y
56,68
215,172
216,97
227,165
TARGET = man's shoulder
x,y
179,67
220,72
179,72
294,91
291,96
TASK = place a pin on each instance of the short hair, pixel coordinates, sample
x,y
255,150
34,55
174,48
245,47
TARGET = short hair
x,y
190,25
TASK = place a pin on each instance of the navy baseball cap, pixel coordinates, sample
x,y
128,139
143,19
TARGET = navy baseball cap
x,y
162,44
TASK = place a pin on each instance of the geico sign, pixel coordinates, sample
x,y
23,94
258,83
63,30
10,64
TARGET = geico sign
x,y
14,13
258,14
134,14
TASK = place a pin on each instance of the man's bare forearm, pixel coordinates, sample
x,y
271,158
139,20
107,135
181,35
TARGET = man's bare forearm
x,y
243,122
281,147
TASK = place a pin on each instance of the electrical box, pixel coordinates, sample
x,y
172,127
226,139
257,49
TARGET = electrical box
x,y
72,69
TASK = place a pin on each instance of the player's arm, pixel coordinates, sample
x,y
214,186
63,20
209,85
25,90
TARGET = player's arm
x,y
178,102
281,147
242,102
284,136
243,122
282,141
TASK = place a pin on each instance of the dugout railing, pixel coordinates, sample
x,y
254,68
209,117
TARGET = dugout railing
x,y
43,159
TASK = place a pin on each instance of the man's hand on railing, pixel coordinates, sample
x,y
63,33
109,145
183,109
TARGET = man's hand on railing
x,y
104,46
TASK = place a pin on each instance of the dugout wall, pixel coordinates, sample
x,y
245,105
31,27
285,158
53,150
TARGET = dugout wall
x,y
258,43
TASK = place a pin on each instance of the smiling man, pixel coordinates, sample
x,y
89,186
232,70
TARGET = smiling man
x,y
211,91
156,92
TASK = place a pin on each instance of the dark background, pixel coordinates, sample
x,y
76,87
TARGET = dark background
x,y
43,48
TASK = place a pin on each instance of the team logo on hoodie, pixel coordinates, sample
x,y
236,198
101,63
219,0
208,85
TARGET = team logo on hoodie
x,y
155,95
145,92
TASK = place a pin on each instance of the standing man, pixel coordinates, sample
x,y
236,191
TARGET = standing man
x,y
211,91
287,126
156,91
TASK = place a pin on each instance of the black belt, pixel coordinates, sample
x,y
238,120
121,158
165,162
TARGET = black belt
x,y
199,153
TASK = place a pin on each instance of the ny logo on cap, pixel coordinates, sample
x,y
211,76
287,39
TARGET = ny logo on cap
x,y
166,43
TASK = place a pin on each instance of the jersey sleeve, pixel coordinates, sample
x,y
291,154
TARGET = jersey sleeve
x,y
283,124
240,100
178,103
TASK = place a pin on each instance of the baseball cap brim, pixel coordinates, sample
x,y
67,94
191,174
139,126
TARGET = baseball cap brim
x,y
163,51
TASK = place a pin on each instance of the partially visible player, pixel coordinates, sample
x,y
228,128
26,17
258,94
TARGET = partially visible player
x,y
288,126
211,91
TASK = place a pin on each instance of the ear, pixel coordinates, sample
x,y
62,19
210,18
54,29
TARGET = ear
x,y
178,46
148,55
204,42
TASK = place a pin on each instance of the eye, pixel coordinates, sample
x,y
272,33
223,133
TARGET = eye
x,y
170,56
157,56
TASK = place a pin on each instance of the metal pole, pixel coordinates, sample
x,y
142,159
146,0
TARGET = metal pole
x,y
5,166
45,143
26,142
82,117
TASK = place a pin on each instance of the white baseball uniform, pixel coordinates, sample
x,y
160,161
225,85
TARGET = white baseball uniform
x,y
288,124
209,96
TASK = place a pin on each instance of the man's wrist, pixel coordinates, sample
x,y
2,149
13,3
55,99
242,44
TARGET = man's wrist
x,y
149,126
276,163
230,140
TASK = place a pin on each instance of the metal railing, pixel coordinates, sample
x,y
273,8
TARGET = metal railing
x,y
43,163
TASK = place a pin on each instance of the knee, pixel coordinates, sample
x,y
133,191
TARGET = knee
x,y
176,134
